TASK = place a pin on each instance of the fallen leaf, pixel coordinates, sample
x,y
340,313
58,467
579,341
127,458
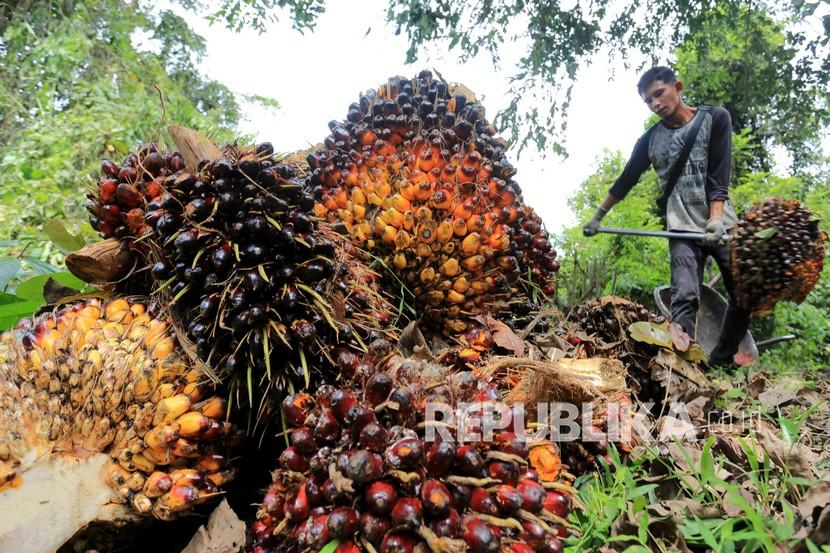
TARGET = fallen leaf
x,y
54,291
775,397
412,342
798,459
670,429
651,333
224,533
503,335
682,380
679,337
694,354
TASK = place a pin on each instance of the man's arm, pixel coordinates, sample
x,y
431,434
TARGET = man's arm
x,y
636,166
720,157
717,178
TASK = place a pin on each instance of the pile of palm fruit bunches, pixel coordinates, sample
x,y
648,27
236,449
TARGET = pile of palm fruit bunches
x,y
267,284
273,291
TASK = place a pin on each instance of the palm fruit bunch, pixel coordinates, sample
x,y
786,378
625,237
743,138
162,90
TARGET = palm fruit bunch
x,y
106,378
260,292
118,203
362,469
417,176
777,255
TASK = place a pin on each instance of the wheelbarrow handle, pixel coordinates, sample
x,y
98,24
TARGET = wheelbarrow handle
x,y
657,233
775,340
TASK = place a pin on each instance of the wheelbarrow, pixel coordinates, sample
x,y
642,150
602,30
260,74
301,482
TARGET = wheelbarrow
x,y
712,303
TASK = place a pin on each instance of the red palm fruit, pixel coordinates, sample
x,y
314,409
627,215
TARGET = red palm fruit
x,y
405,454
358,417
508,499
343,522
507,472
333,495
521,548
303,440
340,402
479,536
314,492
406,406
553,545
374,527
108,188
529,474
398,542
533,534
461,496
558,503
407,512
109,168
127,174
381,497
128,196
295,408
533,495
448,526
327,429
482,502
347,546
436,498
373,437
291,459
439,457
272,502
378,388
363,467
318,534
468,460
509,443
298,507
559,530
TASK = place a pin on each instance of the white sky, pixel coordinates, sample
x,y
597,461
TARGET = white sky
x,y
317,75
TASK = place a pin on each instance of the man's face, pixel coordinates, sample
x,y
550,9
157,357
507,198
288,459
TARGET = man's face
x,y
662,98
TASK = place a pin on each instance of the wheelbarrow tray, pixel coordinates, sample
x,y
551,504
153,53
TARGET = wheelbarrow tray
x,y
709,319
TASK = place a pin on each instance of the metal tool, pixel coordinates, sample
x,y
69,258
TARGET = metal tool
x,y
657,233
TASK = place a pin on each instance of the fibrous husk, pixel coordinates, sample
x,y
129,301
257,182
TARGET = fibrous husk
x,y
101,263
565,380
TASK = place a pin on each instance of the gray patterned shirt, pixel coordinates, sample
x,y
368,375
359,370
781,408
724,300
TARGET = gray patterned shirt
x,y
704,178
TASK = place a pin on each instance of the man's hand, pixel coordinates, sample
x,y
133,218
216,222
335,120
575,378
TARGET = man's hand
x,y
592,227
713,233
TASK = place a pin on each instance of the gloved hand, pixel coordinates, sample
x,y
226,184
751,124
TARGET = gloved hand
x,y
713,232
592,226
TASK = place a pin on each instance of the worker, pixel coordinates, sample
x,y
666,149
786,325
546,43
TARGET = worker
x,y
695,197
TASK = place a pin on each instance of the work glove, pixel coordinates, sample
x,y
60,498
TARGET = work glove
x,y
592,226
713,232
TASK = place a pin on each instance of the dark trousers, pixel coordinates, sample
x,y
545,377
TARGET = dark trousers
x,y
688,258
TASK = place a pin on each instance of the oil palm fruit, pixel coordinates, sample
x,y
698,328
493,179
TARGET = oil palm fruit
x,y
376,483
777,254
101,385
265,296
117,204
417,176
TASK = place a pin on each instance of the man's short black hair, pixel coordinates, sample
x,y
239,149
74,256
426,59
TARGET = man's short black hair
x,y
656,73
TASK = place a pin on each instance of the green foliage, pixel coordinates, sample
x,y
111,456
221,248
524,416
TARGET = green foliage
x,y
74,89
239,14
743,59
623,503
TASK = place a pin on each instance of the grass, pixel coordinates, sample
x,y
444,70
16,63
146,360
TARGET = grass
x,y
625,506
